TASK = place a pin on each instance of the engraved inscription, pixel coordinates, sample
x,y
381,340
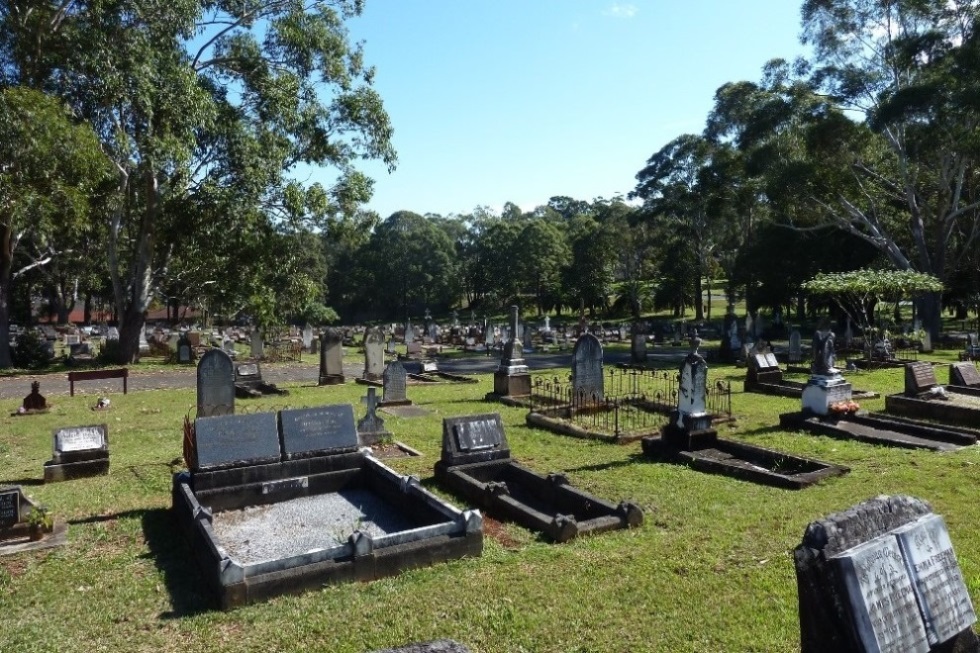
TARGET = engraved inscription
x,y
967,374
478,434
919,377
9,508
943,597
285,485
215,384
771,360
880,594
318,429
79,438
587,379
395,381
226,439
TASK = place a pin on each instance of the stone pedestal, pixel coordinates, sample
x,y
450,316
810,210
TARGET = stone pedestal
x,y
511,385
822,391
689,432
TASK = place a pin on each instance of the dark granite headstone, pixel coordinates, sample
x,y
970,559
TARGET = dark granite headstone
x,y
9,507
215,384
395,381
35,400
331,357
236,440
473,438
964,374
795,347
312,431
919,378
587,379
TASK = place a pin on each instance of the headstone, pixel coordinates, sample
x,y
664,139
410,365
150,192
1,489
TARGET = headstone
x,y
331,357
77,439
185,354
823,353
144,343
882,576
692,390
215,384
112,333
390,347
638,347
409,333
395,383
35,401
547,323
371,428
258,345
795,347
512,361
760,325
307,337
473,439
963,374
926,341
587,378
72,339
308,432
848,334
234,440
749,325
374,355
919,378
9,507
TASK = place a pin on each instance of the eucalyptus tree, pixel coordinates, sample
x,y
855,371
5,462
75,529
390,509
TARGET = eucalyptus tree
x,y
216,100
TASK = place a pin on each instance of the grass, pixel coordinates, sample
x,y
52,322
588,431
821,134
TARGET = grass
x,y
710,569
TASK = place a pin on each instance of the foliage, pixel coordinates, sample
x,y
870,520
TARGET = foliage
x,y
30,352
41,518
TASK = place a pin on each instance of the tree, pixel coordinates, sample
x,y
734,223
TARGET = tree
x,y
216,101
51,172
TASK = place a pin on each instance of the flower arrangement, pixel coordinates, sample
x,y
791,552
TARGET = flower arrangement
x,y
845,407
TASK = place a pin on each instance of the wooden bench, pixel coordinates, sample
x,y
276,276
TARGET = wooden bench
x,y
91,375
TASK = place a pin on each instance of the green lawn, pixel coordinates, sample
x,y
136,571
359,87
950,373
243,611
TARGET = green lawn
x,y
710,569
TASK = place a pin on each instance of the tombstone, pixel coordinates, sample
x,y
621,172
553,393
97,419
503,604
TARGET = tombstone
x,y
371,429
258,345
749,325
763,368
331,357
72,339
547,324
961,374
826,386
849,334
882,576
394,385
409,333
249,382
79,452
926,341
112,333
587,378
678,335
10,513
229,346
185,353
512,378
374,355
81,349
795,347
689,426
310,432
638,346
144,344
760,325
920,379
390,347
35,402
307,337
215,384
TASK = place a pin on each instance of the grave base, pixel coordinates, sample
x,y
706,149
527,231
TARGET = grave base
x,y
822,391
944,411
331,379
878,428
795,389
511,385
371,438
66,471
17,538
696,432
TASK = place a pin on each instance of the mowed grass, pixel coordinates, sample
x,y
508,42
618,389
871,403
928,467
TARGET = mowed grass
x,y
710,569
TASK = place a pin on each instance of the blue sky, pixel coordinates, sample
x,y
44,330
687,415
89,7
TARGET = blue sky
x,y
520,100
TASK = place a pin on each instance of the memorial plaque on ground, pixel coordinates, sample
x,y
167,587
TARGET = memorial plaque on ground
x,y
771,360
224,440
919,378
9,507
247,370
308,431
587,379
964,374
936,578
215,384
80,438
881,597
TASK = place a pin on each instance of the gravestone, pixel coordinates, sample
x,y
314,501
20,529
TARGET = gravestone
x,y
371,428
144,343
307,337
35,401
964,374
512,378
763,368
926,341
795,347
374,355
920,378
638,347
331,357
826,386
882,576
409,333
390,347
185,354
395,384
112,333
257,345
9,507
228,440
587,378
79,451
308,432
215,384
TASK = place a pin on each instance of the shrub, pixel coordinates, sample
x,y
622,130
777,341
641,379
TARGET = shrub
x,y
31,352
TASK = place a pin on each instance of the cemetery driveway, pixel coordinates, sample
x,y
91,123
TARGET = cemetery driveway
x,y
56,384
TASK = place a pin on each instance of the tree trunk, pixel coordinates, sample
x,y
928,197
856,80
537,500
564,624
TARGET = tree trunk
x,y
930,312
698,298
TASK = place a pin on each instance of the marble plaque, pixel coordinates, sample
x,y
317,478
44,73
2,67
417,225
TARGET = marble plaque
x,y
80,438
247,369
771,360
943,598
228,439
307,431
9,507
881,598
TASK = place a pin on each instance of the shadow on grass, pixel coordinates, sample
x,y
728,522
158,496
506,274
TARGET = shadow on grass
x,y
175,560
24,481
613,464
764,430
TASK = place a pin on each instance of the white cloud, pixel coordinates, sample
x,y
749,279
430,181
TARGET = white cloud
x,y
619,10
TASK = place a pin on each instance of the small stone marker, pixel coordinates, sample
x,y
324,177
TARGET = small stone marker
x,y
79,438
371,427
215,384
307,337
257,344
395,381
882,576
331,357
231,440
963,374
473,438
9,507
35,401
587,379
919,378
309,432
79,452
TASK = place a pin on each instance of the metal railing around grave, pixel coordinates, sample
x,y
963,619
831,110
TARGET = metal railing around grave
x,y
633,401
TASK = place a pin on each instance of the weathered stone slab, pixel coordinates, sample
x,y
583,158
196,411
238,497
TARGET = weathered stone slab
x,y
80,438
215,384
919,378
587,378
312,431
395,384
964,374
235,440
473,438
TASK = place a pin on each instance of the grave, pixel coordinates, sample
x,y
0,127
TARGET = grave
x,y
21,528
476,463
925,399
215,384
308,337
688,438
257,345
249,382
764,376
331,357
972,351
395,380
882,576
427,371
374,355
512,378
274,504
185,352
964,375
35,402
638,346
371,429
79,452
826,385
587,379
795,356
